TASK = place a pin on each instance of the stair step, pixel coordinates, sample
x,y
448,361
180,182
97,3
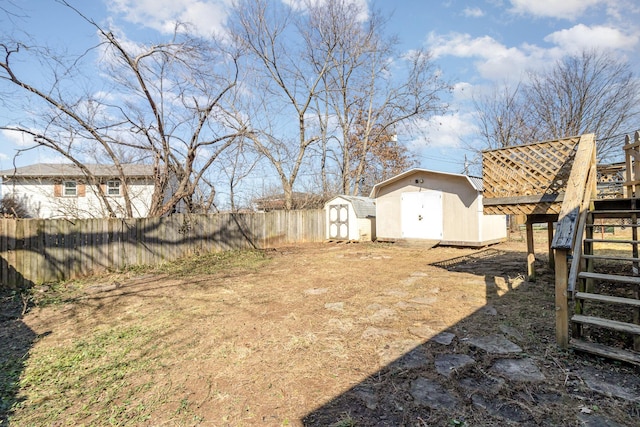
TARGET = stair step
x,y
607,298
601,212
613,225
612,241
635,280
605,351
607,323
610,257
615,214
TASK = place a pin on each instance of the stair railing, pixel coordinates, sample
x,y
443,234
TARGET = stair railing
x,y
568,238
632,164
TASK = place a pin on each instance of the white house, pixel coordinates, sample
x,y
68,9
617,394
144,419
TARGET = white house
x,y
421,204
63,190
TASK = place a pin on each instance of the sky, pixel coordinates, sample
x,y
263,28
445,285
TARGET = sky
x,y
475,44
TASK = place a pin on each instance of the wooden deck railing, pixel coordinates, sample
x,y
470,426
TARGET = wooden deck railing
x,y
580,190
632,163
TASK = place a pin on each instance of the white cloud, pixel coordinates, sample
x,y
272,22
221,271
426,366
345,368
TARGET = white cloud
x,y
4,156
563,9
494,61
207,16
581,37
462,91
17,138
498,62
52,158
473,12
463,45
446,131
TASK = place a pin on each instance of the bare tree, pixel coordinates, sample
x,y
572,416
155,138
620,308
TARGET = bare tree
x,y
592,92
371,91
164,101
283,85
502,117
375,153
238,163
11,206
588,93
318,69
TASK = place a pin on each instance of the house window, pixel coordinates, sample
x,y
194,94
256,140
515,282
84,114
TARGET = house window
x,y
70,188
113,187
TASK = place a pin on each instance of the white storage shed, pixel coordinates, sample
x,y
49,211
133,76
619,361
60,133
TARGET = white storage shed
x,y
421,204
351,218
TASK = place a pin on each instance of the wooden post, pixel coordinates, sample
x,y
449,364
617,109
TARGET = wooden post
x,y
562,305
552,262
635,267
531,257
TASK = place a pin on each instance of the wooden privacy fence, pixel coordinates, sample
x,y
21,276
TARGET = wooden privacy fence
x,y
46,250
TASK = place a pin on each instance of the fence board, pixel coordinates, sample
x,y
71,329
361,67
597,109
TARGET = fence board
x,y
4,265
39,251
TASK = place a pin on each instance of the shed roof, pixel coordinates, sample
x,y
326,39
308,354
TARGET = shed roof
x,y
364,207
41,170
475,182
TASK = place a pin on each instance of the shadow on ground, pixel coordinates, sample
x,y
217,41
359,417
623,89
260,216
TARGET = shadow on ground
x,y
16,339
499,366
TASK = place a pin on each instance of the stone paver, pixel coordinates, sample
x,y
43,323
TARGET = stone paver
x,y
422,331
508,411
414,359
489,386
496,344
444,338
511,332
423,300
590,420
431,394
519,370
448,364
335,306
382,315
613,385
315,291
372,332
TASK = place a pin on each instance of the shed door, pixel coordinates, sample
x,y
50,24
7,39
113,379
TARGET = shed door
x,y
421,215
339,222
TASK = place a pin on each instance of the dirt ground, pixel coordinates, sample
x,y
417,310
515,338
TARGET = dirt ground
x,y
317,335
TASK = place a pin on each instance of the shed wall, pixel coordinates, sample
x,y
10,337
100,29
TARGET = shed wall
x,y
463,221
494,228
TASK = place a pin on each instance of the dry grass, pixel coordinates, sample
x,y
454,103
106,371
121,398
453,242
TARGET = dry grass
x,y
272,338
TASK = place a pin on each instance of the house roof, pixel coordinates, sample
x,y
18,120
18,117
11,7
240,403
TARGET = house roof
x,y
364,207
475,182
41,170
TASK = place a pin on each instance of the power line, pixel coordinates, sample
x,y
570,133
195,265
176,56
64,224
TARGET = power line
x,y
617,136
439,159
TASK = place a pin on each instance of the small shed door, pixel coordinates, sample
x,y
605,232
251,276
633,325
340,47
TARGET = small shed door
x,y
339,222
421,215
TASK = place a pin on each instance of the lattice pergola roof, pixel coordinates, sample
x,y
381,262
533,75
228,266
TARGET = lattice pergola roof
x,y
527,179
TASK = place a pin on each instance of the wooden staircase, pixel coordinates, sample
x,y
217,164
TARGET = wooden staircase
x,y
606,319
